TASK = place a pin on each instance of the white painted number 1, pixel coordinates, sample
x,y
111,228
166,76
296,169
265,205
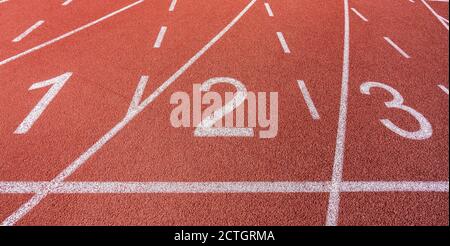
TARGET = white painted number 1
x,y
56,83
425,131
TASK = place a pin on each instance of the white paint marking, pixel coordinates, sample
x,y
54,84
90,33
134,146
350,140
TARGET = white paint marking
x,y
308,100
360,15
28,31
172,5
137,97
160,37
283,43
443,88
57,84
220,187
338,166
67,2
3,1
439,17
36,199
402,52
269,9
68,34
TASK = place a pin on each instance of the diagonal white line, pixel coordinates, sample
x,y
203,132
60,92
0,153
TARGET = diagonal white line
x,y
172,5
67,2
443,88
436,14
28,31
338,165
160,37
396,47
36,199
360,15
38,47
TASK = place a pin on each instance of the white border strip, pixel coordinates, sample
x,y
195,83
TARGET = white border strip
x,y
220,187
43,45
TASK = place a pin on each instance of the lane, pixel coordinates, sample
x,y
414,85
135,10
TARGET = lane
x,y
303,150
412,149
180,210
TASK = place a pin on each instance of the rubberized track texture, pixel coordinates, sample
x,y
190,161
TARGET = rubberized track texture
x,y
356,100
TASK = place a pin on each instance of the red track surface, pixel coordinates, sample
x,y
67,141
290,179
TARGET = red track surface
x,y
409,177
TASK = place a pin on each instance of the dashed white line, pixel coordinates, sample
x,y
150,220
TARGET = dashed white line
x,y
443,88
28,31
283,43
338,165
360,15
160,37
269,9
67,2
37,198
308,100
68,34
221,187
172,5
400,50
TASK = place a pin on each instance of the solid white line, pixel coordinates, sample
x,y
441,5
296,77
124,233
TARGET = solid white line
x,y
439,17
172,5
36,199
401,186
443,88
269,9
400,50
3,1
67,2
283,43
308,100
160,37
360,15
67,34
221,187
28,31
338,165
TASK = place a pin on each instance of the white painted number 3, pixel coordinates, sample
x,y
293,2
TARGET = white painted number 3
x,y
56,83
425,131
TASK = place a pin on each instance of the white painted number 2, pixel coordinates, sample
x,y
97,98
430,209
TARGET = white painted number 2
x,y
425,131
205,128
56,83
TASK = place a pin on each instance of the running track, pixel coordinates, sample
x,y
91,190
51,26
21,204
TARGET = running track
x,y
367,144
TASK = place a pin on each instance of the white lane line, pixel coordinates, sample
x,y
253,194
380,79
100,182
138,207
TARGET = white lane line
x,y
399,186
360,15
412,1
3,1
28,31
439,17
400,50
36,199
308,100
269,9
172,5
38,47
443,88
67,2
283,43
160,37
338,165
221,187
